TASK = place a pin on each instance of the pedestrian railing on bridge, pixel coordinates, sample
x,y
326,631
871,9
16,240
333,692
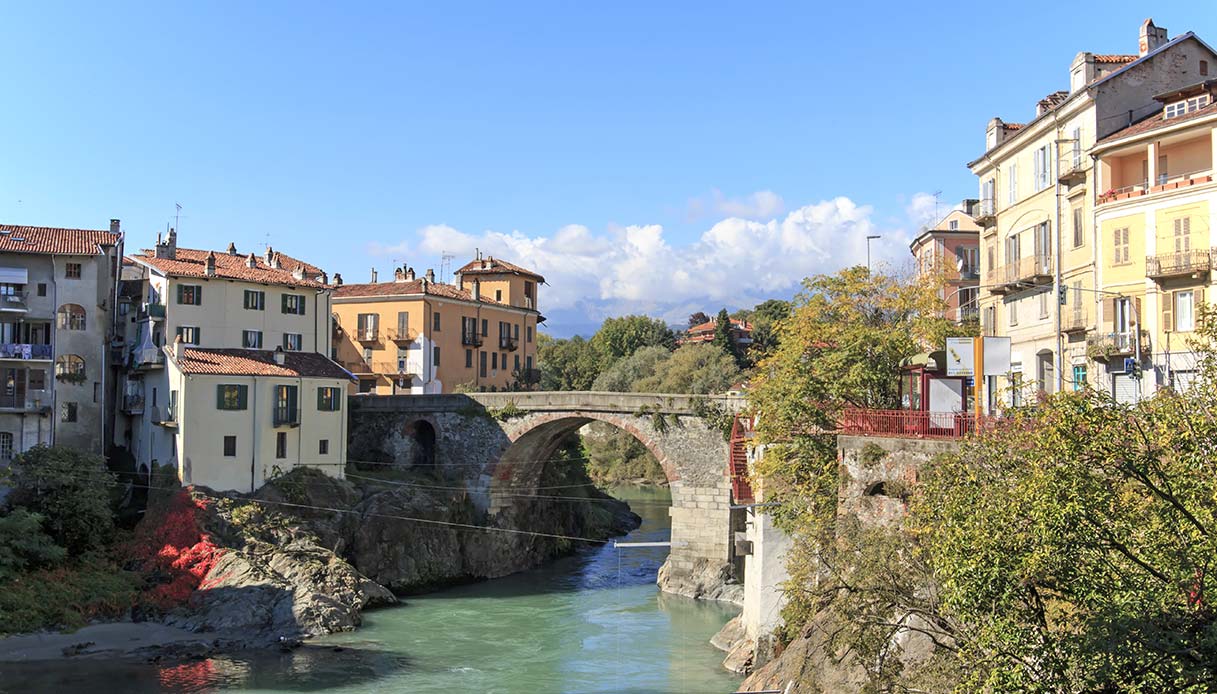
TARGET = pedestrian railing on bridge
x,y
916,424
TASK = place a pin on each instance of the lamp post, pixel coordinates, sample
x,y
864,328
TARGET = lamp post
x,y
868,240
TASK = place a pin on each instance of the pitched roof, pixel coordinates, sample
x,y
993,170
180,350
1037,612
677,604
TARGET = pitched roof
x,y
190,262
709,325
1113,58
408,288
1158,121
52,240
256,362
495,266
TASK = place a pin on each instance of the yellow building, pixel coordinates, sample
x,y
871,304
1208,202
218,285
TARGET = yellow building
x,y
416,335
1155,242
1037,185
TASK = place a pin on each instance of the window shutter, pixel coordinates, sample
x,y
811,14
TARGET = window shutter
x,y
243,396
198,295
321,399
198,336
1136,315
283,303
1168,311
1109,312
1198,307
300,304
180,293
219,397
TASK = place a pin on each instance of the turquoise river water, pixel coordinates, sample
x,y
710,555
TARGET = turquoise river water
x,y
589,623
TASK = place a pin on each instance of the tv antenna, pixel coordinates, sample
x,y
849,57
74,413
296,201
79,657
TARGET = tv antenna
x,y
445,265
937,195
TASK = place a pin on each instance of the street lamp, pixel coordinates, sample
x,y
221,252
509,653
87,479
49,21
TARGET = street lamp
x,y
868,240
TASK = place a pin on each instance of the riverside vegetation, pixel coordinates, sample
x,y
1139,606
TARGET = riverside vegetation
x,y
1067,549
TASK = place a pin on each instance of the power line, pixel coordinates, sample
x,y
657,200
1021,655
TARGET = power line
x,y
496,492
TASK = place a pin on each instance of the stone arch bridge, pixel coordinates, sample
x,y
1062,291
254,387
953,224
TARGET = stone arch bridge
x,y
501,441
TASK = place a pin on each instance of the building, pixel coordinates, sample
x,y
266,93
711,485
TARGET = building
x,y
56,324
1037,192
741,333
1154,222
950,249
416,335
227,376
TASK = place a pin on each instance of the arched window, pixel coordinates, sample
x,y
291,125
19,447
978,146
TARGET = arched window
x,y
70,367
71,317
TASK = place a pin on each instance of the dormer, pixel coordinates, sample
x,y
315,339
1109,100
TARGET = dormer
x,y
1190,99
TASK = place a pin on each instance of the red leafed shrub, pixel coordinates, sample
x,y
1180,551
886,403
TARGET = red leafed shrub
x,y
173,550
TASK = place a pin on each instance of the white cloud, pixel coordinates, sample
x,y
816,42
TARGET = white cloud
x,y
763,204
737,261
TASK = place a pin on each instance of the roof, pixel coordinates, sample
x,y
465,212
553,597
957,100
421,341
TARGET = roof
x,y
52,240
256,362
1158,120
407,288
494,266
710,324
1113,58
191,262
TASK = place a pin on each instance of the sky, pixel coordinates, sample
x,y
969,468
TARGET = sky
x,y
658,158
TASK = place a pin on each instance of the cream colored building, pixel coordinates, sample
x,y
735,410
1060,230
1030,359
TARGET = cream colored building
x,y
1037,192
200,322
1156,240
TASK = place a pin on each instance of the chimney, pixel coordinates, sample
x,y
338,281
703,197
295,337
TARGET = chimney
x,y
373,275
232,248
270,255
274,262
251,261
298,273
430,275
179,348
167,249
477,289
399,275
280,355
337,279
209,264
114,227
1151,38
325,278
409,274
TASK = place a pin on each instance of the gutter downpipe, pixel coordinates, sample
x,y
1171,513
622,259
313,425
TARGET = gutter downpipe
x,y
253,458
1056,285
54,350
981,381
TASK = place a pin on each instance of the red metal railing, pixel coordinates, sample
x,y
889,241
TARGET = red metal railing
x,y
907,423
737,461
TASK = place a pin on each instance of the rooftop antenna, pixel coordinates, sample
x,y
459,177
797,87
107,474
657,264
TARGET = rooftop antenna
x,y
937,194
445,265
177,217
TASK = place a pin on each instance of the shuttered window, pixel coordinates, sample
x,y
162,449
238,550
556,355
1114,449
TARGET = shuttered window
x,y
329,399
232,397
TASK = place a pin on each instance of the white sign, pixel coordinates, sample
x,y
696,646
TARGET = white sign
x,y
960,360
997,356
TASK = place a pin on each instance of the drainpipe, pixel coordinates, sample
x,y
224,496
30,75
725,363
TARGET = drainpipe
x,y
54,351
1056,283
253,458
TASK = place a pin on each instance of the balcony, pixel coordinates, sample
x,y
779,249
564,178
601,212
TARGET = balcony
x,y
1163,183
394,368
968,315
150,358
367,335
509,343
471,338
14,302
1074,323
163,416
21,350
286,416
913,424
1184,263
1031,271
402,337
133,404
357,366
151,310
986,213
1072,170
1117,345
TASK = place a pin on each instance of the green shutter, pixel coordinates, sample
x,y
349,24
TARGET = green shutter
x,y
198,336
219,397
300,304
321,399
198,295
243,397
179,293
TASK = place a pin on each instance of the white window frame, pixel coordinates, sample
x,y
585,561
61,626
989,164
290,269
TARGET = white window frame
x,y
1012,184
194,333
245,341
293,345
1186,297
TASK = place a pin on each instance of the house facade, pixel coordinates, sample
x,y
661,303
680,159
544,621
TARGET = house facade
x,y
741,333
1037,190
950,249
56,325
208,334
416,335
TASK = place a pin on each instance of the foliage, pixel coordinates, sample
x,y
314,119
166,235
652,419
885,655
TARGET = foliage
x,y
724,340
71,490
25,546
616,456
764,319
700,368
506,412
172,549
67,596
714,415
623,374
697,318
568,364
621,337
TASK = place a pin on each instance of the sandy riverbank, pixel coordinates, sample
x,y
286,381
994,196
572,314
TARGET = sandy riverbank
x,y
118,639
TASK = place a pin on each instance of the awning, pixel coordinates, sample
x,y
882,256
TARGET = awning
x,y
14,275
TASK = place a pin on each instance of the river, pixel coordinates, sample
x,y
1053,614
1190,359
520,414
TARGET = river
x,y
589,623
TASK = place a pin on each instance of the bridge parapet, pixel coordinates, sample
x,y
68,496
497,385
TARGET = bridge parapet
x,y
552,401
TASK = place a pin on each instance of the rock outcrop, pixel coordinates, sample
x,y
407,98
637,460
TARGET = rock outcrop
x,y
707,581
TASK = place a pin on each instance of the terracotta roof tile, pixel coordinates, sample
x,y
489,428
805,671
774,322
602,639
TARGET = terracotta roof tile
x,y
1114,58
190,262
412,287
23,239
1158,121
256,362
708,326
494,266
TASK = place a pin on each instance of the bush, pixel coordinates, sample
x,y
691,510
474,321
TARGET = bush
x,y
24,545
67,596
71,489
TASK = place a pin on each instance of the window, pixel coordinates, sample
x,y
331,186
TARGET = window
x,y
230,446
190,334
1187,106
1012,310
494,361
1044,304
1204,68
482,363
71,271
255,300
529,332
232,397
1043,246
281,445
468,359
329,399
1120,254
71,317
1185,311
251,339
37,379
42,289
1183,234
1016,388
988,196
435,357
435,321
498,295
528,294
403,325
190,294
70,367
1012,184
528,363
1079,238
485,328
990,320
517,362
6,446
1043,168
953,225
293,304
67,412
286,403
293,342
323,447
367,325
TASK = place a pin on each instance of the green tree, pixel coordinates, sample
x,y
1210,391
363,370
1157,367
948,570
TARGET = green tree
x,y
621,337
24,545
696,319
71,489
622,375
701,369
568,364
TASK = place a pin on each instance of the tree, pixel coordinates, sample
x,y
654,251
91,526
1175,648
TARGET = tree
x,y
568,364
698,318
622,375
24,545
701,368
71,489
621,337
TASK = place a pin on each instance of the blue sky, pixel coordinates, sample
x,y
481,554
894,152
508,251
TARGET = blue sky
x,y
646,157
